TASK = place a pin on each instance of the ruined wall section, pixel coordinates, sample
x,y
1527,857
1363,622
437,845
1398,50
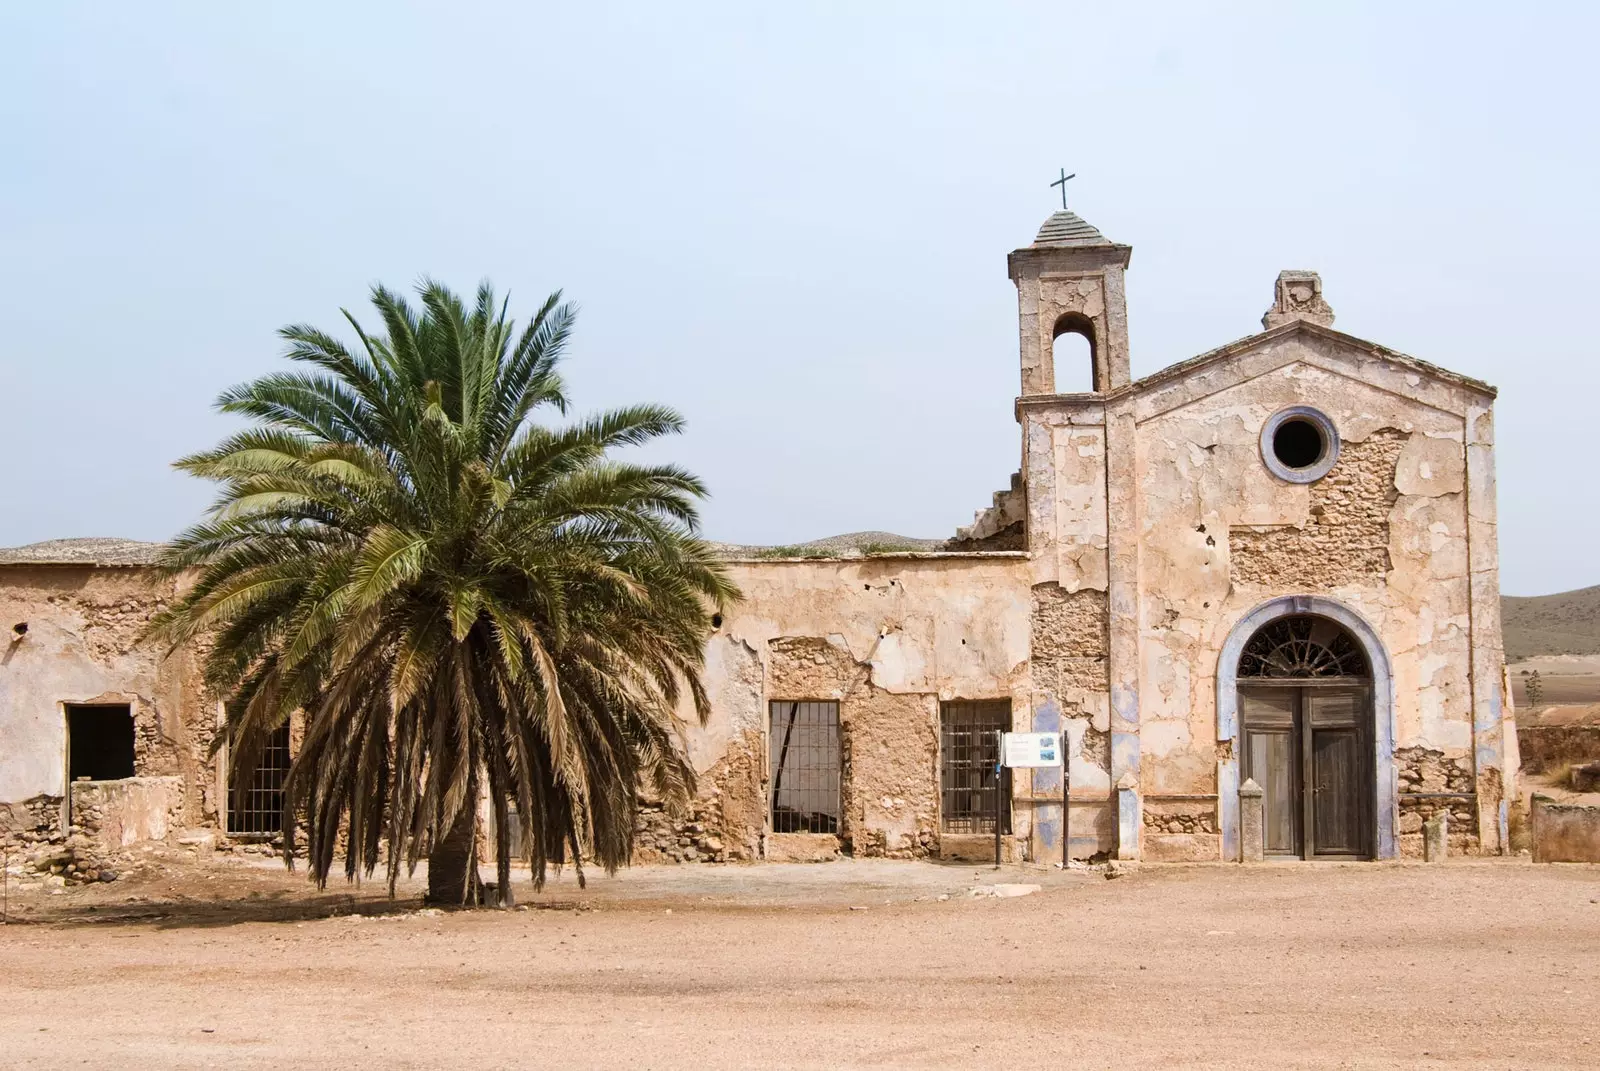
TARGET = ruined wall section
x,y
1065,457
1071,634
888,638
1346,538
83,645
724,821
1385,533
889,745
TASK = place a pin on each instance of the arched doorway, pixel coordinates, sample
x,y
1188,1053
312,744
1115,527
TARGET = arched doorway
x,y
1305,706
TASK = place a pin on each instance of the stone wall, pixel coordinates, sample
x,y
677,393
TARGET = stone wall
x,y
85,644
723,822
31,821
115,815
1546,747
1070,641
1565,832
1180,816
1346,537
888,639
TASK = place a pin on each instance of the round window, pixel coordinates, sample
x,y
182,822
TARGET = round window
x,y
1299,444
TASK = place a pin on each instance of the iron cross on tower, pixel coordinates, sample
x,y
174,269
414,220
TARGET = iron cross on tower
x,y
1062,182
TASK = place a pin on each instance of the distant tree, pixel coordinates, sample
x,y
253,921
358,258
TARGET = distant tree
x,y
1534,686
454,593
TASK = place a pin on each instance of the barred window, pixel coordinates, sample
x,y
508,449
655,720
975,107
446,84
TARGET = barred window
x,y
968,752
804,742
260,811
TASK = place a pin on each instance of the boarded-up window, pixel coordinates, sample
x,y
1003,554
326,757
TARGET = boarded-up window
x,y
99,742
804,742
967,755
259,809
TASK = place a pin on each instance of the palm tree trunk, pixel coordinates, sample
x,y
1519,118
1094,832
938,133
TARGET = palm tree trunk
x,y
453,860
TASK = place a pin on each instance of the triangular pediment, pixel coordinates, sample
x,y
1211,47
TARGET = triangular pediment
x,y
1300,341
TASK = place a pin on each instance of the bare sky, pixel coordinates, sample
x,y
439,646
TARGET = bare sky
x,y
788,220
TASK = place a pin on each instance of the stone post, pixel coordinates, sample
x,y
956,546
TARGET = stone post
x,y
1128,817
1252,834
1436,837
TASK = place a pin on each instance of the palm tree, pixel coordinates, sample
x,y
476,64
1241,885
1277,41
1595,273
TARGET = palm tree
x,y
455,594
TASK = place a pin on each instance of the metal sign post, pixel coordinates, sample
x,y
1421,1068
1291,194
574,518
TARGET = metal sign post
x,y
1032,751
1066,811
999,789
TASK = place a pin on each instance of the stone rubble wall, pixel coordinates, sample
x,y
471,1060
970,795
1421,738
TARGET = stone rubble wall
x,y
1565,832
886,638
119,814
1185,816
86,643
722,824
1347,538
1547,747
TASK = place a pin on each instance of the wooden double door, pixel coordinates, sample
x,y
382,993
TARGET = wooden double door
x,y
1309,747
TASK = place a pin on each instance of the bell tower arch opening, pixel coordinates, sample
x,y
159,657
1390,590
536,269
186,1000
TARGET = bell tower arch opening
x,y
1072,354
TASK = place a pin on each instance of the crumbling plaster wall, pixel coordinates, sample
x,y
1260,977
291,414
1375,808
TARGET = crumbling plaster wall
x,y
1065,458
1386,533
83,645
889,638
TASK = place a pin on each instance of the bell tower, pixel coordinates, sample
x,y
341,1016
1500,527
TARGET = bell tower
x,y
1069,281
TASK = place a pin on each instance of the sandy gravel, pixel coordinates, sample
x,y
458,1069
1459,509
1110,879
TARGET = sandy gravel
x,y
1470,964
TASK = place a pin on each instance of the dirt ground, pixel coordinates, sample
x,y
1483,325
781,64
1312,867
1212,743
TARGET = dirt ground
x,y
846,964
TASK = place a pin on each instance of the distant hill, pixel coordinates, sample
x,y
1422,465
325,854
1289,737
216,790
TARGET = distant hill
x,y
1566,623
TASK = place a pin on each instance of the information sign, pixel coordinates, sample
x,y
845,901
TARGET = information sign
x,y
1031,749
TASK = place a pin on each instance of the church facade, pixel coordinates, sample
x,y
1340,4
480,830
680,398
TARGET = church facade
x,y
1274,562
1271,563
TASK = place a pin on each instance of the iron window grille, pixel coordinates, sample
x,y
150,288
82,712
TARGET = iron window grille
x,y
1301,647
968,752
259,812
804,746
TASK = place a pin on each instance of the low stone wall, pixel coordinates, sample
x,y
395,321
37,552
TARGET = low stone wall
x,y
1548,747
117,814
1565,832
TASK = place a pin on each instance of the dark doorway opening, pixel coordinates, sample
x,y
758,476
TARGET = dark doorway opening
x,y
99,742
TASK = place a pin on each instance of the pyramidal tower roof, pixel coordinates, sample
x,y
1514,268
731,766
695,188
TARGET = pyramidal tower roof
x,y
1068,229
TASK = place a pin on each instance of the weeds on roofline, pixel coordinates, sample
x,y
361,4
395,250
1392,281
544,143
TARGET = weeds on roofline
x,y
890,548
867,549
797,552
